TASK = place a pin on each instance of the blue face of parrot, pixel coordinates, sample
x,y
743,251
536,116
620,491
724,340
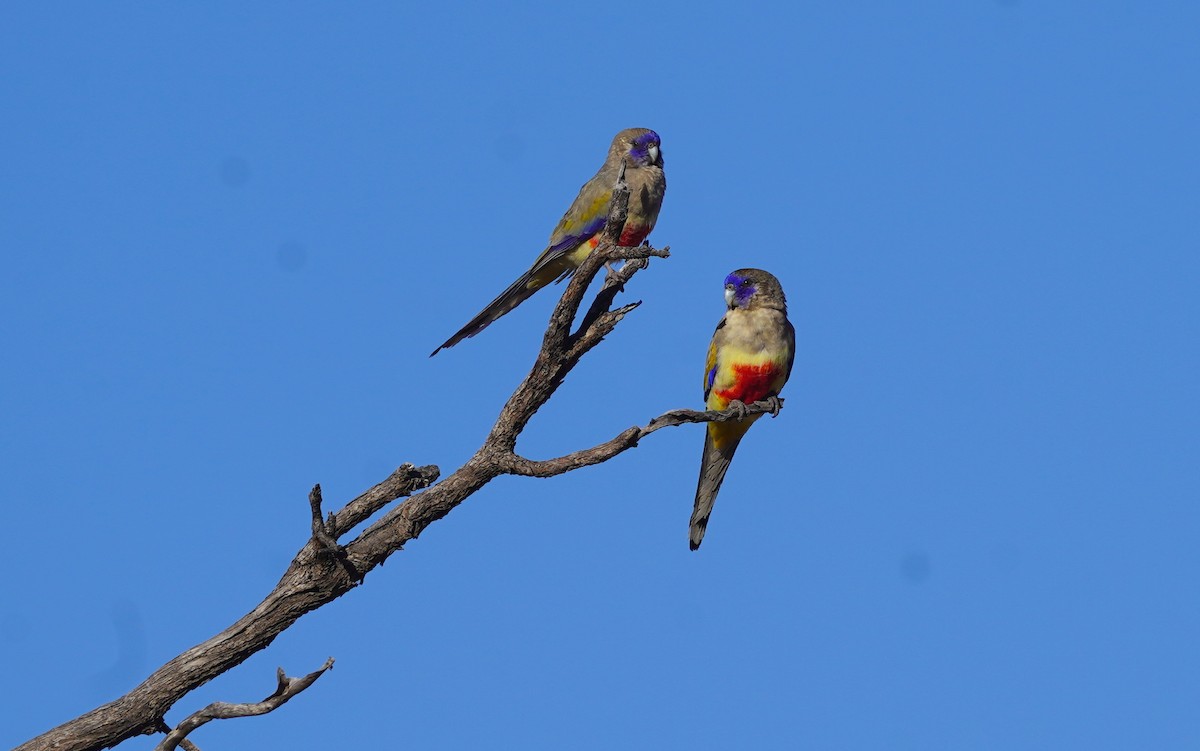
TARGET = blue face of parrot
x,y
738,291
646,150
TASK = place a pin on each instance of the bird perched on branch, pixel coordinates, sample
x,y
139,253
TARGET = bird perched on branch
x,y
749,360
578,232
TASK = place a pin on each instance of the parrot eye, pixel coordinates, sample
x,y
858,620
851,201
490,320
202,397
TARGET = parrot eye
x,y
745,282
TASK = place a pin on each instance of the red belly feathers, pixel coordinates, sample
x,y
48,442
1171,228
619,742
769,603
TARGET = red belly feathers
x,y
750,383
630,236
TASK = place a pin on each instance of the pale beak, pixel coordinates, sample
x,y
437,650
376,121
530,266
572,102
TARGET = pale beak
x,y
729,294
653,152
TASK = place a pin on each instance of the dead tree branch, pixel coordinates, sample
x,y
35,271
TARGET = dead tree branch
x,y
325,568
219,710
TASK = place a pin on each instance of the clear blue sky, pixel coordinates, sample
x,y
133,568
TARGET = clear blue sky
x,y
232,234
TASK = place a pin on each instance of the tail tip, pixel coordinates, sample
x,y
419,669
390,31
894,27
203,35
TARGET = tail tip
x,y
696,534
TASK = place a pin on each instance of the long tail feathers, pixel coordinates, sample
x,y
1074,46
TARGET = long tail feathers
x,y
713,466
517,293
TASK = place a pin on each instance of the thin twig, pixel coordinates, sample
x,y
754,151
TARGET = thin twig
x,y
286,689
627,439
770,406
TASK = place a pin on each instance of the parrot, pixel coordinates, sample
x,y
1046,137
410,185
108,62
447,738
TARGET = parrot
x,y
578,232
749,359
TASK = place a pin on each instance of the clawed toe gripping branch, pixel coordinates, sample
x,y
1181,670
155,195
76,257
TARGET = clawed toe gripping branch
x,y
325,568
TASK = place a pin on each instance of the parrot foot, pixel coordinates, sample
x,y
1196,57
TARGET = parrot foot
x,y
738,407
776,404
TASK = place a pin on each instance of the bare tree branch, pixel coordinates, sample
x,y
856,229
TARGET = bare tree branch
x,y
519,465
219,710
325,569
737,411
406,480
627,439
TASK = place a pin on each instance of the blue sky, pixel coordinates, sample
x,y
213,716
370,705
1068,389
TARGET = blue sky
x,y
232,234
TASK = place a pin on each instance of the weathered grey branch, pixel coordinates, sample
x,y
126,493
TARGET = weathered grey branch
x,y
628,438
325,569
406,480
769,406
219,710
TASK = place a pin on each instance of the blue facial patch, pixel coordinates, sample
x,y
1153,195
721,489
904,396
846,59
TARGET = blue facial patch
x,y
743,289
640,150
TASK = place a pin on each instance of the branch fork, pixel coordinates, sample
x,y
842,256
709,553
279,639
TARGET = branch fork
x,y
219,710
